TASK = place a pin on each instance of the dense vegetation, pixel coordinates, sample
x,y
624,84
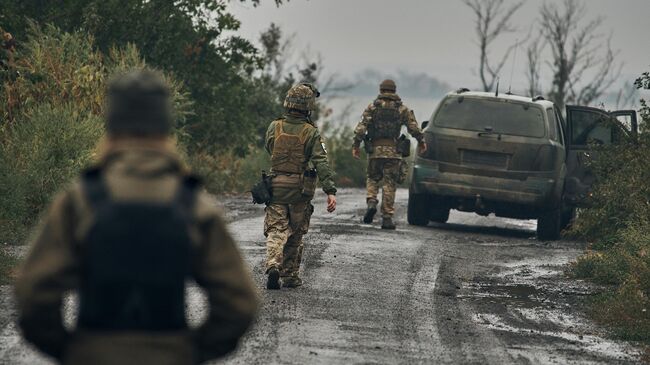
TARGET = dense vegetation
x,y
618,225
51,105
52,90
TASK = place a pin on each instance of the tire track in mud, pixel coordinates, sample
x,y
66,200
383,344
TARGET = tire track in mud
x,y
415,322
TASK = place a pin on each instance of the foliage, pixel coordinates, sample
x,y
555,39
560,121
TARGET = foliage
x,y
8,265
349,171
618,224
51,111
190,38
583,64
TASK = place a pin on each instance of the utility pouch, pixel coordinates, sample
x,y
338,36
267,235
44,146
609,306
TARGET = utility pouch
x,y
404,146
309,179
262,191
367,145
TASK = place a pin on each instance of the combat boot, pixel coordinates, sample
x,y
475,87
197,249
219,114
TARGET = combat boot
x,y
273,279
293,281
387,223
370,213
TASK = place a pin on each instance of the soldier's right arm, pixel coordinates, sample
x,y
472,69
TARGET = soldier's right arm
x,y
49,270
221,271
362,127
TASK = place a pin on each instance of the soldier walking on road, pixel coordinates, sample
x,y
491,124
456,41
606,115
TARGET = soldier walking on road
x,y
126,236
298,159
380,129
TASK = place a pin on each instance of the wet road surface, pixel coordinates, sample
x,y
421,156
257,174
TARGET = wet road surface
x,y
474,291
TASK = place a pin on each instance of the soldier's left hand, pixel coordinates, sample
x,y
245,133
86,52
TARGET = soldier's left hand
x,y
422,148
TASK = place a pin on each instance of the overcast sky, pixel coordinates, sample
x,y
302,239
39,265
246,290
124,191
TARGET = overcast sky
x,y
432,36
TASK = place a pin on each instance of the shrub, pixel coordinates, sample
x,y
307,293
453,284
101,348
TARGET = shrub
x,y
45,148
349,171
51,106
618,225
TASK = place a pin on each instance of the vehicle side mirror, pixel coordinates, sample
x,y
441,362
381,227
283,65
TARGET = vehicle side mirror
x,y
424,124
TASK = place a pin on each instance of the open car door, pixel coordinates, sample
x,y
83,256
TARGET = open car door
x,y
587,127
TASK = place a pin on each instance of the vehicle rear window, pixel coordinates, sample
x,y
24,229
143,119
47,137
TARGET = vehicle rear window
x,y
499,116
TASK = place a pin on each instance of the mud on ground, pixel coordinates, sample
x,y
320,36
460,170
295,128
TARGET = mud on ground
x,y
475,291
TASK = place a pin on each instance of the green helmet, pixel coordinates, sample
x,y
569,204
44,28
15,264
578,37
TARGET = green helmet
x,y
301,97
388,85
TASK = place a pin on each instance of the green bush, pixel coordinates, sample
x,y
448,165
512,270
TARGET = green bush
x,y
228,172
51,109
46,148
350,172
618,227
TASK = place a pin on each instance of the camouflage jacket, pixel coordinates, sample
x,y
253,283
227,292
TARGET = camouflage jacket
x,y
315,153
406,118
133,171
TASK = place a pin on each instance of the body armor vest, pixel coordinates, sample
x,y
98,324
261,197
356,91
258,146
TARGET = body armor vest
x,y
385,120
289,150
136,258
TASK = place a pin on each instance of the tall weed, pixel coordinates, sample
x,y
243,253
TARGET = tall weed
x,y
618,227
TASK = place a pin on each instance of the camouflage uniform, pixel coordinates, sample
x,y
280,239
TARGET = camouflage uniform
x,y
298,159
385,162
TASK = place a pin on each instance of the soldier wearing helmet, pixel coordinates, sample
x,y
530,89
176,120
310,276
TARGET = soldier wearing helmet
x,y
380,129
298,160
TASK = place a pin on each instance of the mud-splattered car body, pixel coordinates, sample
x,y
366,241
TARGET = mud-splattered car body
x,y
509,155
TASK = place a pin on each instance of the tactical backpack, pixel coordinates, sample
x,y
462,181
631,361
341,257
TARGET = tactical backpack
x,y
136,258
385,120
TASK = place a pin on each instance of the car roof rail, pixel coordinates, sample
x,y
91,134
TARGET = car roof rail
x,y
538,98
462,90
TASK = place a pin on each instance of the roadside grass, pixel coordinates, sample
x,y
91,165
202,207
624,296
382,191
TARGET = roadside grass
x,y
618,227
8,267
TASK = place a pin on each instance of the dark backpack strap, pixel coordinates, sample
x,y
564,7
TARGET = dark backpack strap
x,y
94,186
187,192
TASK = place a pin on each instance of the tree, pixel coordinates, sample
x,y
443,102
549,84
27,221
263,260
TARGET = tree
x,y
492,20
582,62
192,39
533,54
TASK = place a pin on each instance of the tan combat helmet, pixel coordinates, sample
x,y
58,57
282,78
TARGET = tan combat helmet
x,y
388,86
301,97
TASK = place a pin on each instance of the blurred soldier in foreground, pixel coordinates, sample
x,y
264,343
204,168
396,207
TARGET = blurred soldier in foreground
x,y
379,129
126,236
298,159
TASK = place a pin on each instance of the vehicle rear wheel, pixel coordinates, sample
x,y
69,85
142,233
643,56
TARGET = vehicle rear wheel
x,y
418,209
439,215
549,225
568,215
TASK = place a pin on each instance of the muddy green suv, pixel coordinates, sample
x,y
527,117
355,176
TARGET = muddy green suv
x,y
509,155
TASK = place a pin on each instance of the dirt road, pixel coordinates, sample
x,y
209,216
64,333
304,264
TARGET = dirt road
x,y
477,290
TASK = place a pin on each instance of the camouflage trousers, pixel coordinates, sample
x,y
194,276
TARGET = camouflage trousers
x,y
383,173
284,227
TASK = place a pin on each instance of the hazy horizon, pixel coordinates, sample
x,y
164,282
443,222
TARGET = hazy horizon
x,y
433,38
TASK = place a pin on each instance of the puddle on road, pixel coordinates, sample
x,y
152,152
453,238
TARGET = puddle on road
x,y
533,304
508,294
